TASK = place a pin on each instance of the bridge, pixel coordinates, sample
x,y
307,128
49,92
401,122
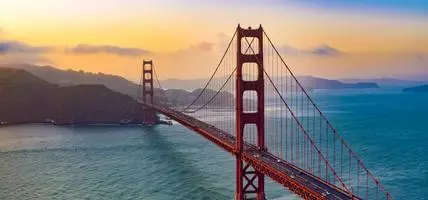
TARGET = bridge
x,y
267,120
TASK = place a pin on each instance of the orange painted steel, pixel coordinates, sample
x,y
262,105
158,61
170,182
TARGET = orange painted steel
x,y
291,177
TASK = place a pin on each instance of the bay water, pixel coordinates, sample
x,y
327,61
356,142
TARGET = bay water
x,y
387,128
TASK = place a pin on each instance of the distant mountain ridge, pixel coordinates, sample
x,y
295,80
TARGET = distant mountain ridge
x,y
19,77
25,98
175,97
387,82
71,77
309,82
420,88
120,84
321,83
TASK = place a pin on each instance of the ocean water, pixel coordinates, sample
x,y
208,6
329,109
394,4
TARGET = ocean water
x,y
387,128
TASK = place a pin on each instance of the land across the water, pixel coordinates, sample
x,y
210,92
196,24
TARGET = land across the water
x,y
421,88
25,98
28,99
85,104
35,94
177,92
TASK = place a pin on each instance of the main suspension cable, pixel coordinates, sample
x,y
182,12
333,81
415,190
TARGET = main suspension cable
x,y
299,123
210,100
327,121
157,79
212,76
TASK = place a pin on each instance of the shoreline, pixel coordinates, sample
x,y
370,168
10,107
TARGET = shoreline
x,y
84,124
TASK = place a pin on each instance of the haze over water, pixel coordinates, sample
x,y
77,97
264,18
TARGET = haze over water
x,y
387,128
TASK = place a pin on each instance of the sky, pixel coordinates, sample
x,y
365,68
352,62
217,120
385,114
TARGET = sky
x,y
186,38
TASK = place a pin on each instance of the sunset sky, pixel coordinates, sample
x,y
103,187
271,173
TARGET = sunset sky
x,y
367,38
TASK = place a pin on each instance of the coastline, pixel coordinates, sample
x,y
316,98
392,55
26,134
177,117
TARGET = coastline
x,y
161,122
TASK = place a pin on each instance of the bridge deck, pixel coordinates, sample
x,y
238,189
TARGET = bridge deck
x,y
299,181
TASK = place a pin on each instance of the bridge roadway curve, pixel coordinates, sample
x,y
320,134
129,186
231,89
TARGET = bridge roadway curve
x,y
292,177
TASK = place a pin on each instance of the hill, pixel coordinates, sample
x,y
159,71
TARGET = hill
x,y
19,77
29,99
421,88
308,82
177,96
321,83
179,92
386,82
71,77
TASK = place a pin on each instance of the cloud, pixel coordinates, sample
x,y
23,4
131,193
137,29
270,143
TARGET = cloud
x,y
21,47
321,50
201,48
109,49
205,46
420,58
222,36
289,50
16,52
222,41
195,60
325,50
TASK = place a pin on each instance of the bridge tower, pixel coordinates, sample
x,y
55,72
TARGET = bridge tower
x,y
149,115
249,181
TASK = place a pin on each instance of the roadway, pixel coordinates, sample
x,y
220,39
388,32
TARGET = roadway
x,y
299,181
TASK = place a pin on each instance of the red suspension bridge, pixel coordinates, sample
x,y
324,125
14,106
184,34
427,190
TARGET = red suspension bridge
x,y
267,120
